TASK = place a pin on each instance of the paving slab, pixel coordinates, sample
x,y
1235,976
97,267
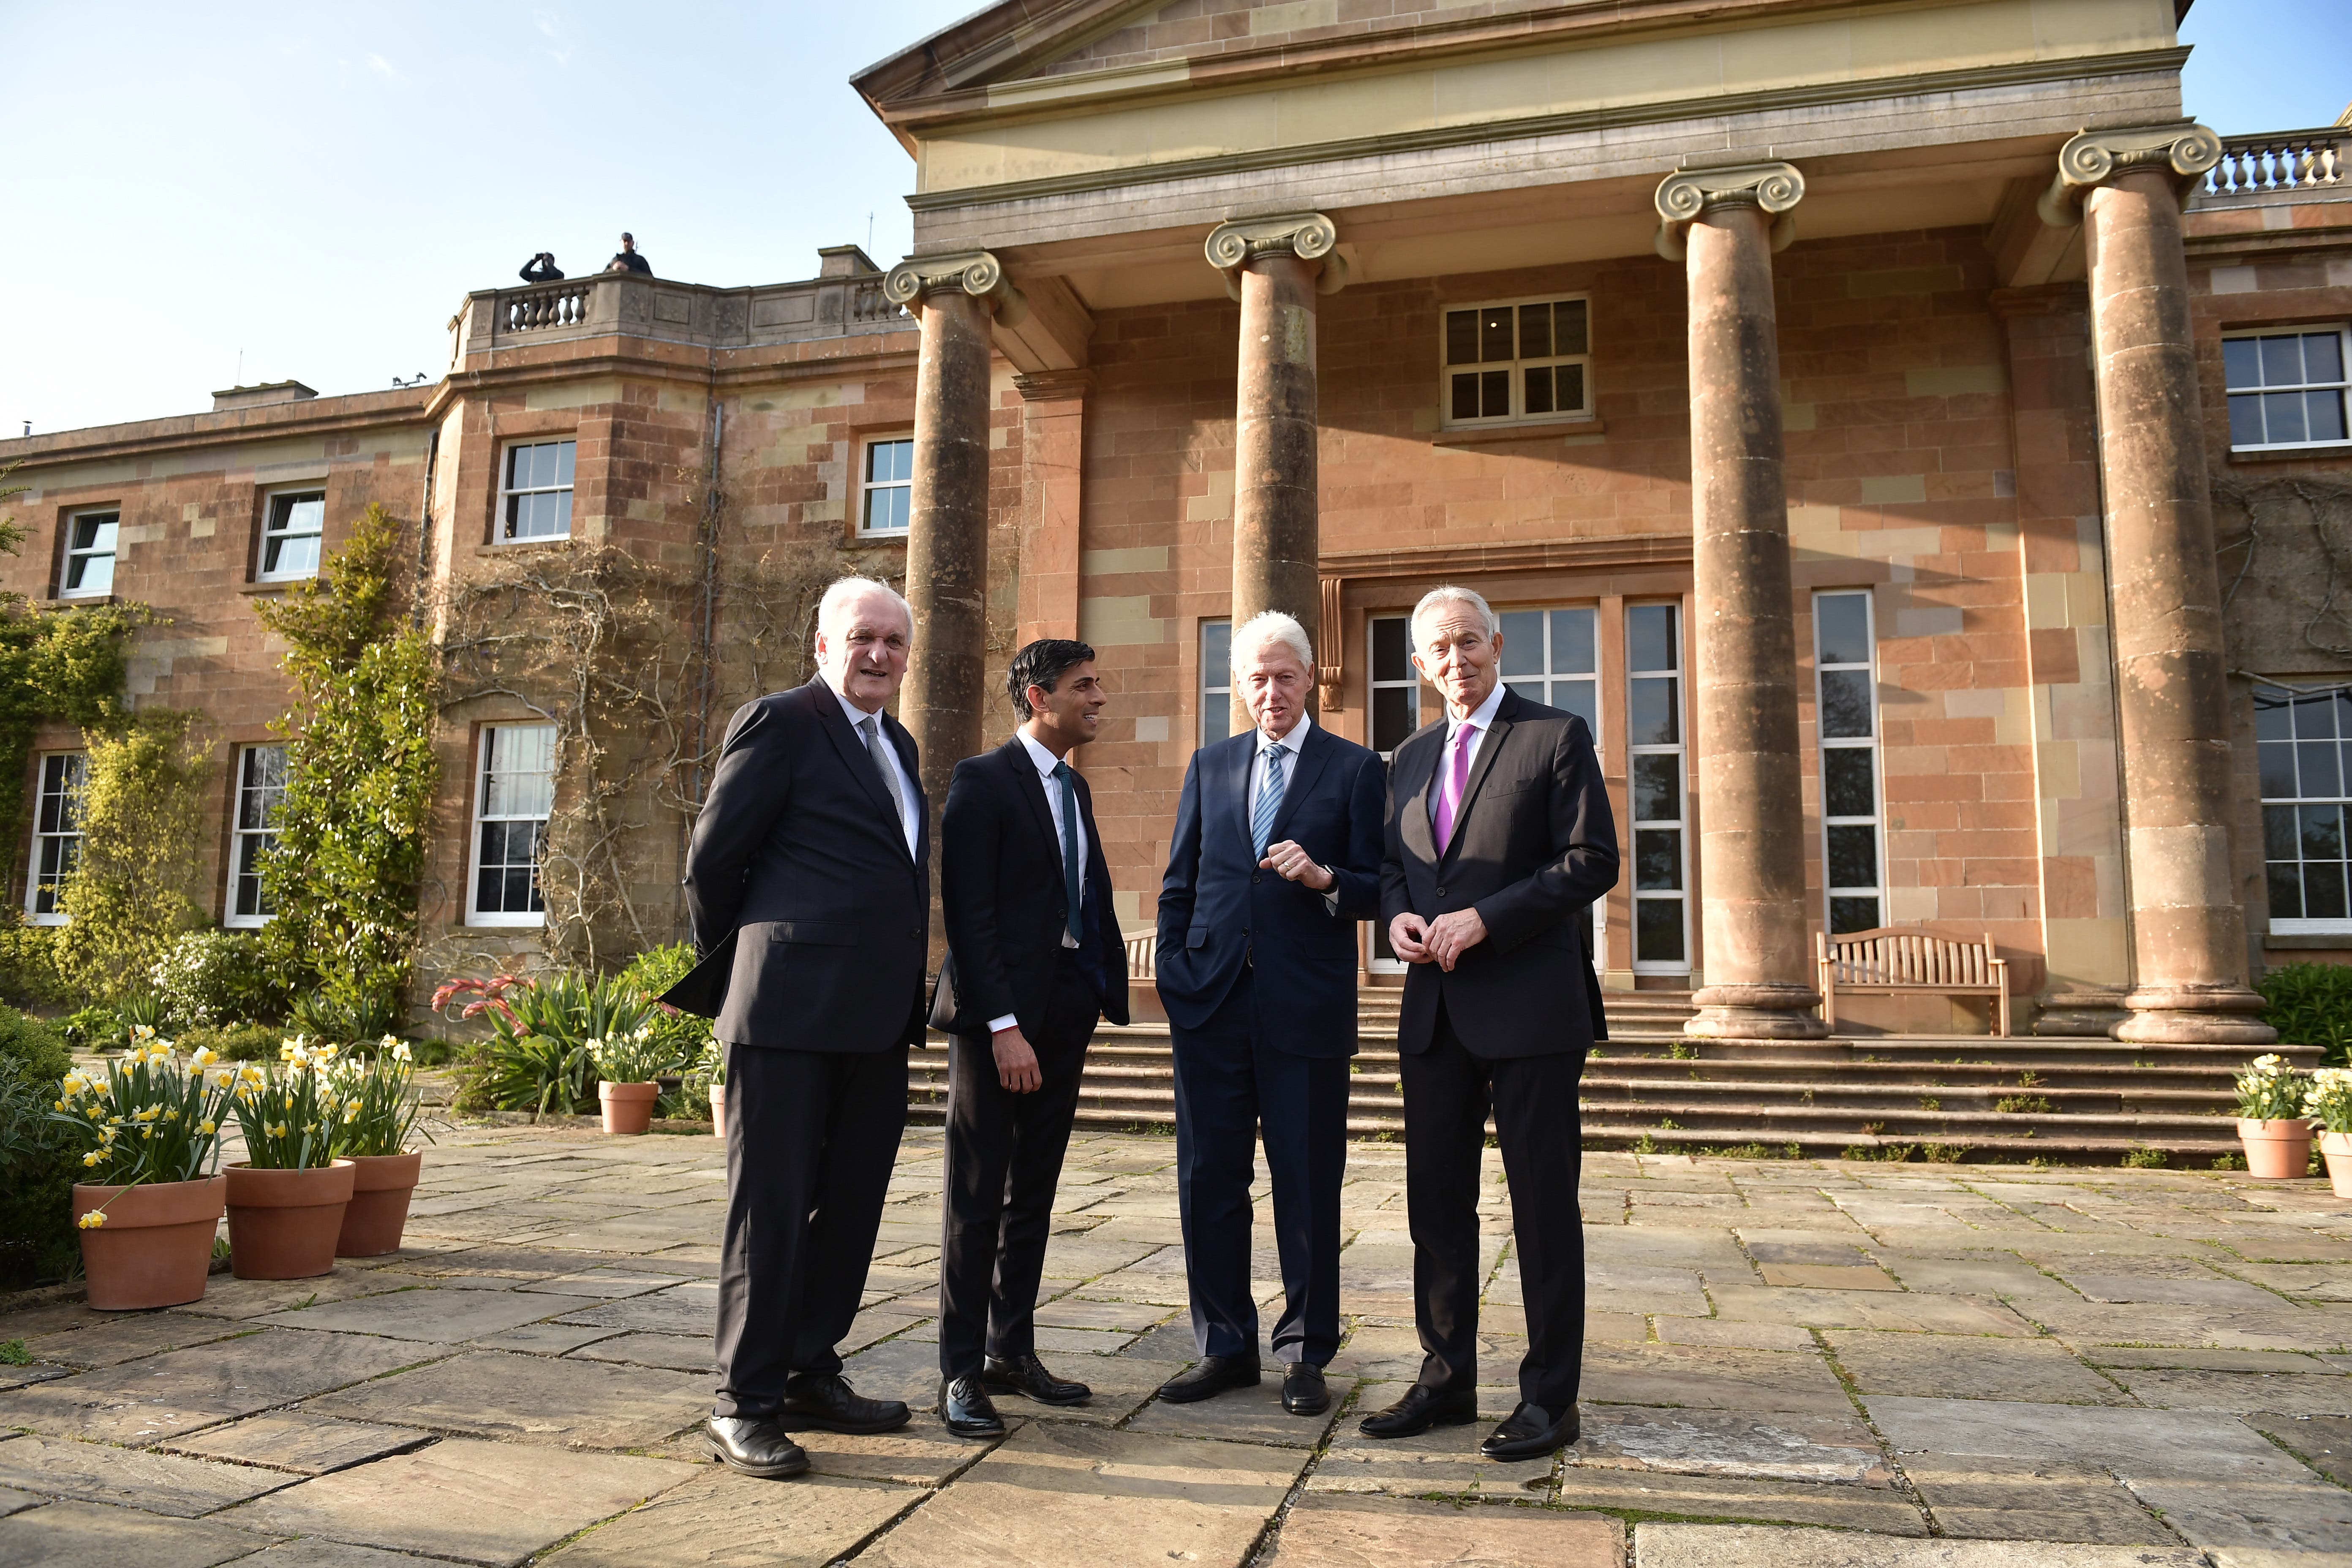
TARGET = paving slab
x,y
478,1502
2195,1444
1748,1546
690,1309
721,1520
2209,1358
531,1399
610,1284
897,1368
1078,1312
921,1453
2282,1327
315,1551
1170,1342
93,1535
543,1338
1904,1309
1953,1366
2255,1523
113,1342
2323,1442
1335,1530
226,1296
1848,1507
431,1316
1790,1446
299,1441
1244,1415
1987,1498
158,1483
1122,1385
2208,1291
1734,1334
1056,1493
678,1353
13,1501
32,1373
1717,1378
168,1395
2273,1392
1443,1461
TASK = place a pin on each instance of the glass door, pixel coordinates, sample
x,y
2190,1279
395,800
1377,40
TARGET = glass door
x,y
1552,656
1656,752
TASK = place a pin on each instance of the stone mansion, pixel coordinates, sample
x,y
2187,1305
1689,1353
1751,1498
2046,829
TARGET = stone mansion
x,y
1914,442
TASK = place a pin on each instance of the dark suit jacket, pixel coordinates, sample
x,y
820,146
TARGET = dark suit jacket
x,y
1534,846
810,917
1217,907
1006,899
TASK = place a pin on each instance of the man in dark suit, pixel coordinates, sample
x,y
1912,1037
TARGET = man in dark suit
x,y
1276,858
1499,839
1035,957
808,882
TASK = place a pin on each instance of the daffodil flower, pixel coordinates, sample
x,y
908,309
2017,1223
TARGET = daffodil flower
x,y
93,1220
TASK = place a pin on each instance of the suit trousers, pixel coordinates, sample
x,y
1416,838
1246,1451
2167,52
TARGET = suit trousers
x,y
811,1139
1447,1094
1003,1162
1229,1083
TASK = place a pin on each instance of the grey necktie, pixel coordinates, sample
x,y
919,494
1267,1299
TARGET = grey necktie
x,y
871,726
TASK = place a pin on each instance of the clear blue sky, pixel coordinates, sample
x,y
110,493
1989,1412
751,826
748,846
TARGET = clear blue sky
x,y
309,190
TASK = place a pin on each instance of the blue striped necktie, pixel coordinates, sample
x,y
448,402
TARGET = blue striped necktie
x,y
1269,800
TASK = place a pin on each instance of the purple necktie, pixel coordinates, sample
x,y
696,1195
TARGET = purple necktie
x,y
1457,779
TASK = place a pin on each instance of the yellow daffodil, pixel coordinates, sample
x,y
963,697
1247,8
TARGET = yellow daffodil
x,y
173,1114
208,1127
147,1132
92,1158
276,1129
205,1056
93,1220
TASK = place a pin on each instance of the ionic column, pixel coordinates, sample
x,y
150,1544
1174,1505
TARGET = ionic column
x,y
2188,929
1275,267
956,298
1724,224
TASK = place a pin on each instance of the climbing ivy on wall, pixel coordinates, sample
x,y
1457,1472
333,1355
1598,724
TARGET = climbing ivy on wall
x,y
134,886
349,859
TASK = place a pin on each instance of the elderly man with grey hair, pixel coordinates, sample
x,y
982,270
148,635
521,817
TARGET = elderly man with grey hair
x,y
1276,858
809,885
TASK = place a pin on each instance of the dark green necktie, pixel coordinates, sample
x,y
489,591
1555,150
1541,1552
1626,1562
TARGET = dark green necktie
x,y
1072,875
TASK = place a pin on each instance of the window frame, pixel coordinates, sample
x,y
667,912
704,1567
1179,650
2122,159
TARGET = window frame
x,y
1684,894
1411,684
240,787
502,520
867,485
2341,799
1517,366
2342,385
1216,697
1825,744
284,501
476,916
74,778
67,554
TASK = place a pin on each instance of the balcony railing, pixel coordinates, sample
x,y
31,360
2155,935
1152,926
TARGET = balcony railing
x,y
562,304
2280,161
621,304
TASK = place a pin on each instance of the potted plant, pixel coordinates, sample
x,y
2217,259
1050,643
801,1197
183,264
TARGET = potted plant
x,y
149,1133
380,1106
286,1199
2329,1102
628,1063
710,1069
2271,1120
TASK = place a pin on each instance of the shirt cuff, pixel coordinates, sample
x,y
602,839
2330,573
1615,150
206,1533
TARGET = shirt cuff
x,y
1007,1022
1331,898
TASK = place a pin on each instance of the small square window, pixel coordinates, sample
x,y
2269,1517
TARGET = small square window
x,y
89,556
1519,360
290,535
2286,389
536,500
885,487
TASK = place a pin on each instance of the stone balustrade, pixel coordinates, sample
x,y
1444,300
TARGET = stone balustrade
x,y
2279,161
608,304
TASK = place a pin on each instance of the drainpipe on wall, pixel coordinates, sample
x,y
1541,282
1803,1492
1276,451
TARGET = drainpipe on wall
x,y
706,651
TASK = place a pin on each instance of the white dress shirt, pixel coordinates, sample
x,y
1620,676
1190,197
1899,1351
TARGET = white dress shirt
x,y
1479,721
1295,743
908,795
1045,762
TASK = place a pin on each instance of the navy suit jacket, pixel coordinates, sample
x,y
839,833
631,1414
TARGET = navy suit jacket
x,y
1217,909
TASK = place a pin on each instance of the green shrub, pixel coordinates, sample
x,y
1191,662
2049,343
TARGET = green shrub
x,y
2311,1004
28,965
39,1047
37,1166
237,1042
209,978
134,884
537,1057
655,970
365,1018
96,1028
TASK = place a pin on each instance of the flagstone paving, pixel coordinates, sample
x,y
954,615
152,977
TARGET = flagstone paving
x,y
1816,1364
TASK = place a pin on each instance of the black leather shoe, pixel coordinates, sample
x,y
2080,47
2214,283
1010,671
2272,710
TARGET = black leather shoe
x,y
1529,1433
1419,1410
1025,1374
1304,1391
755,1445
829,1402
1208,1377
966,1408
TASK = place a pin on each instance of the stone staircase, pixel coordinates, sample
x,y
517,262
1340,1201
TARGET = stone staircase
x,y
2063,1100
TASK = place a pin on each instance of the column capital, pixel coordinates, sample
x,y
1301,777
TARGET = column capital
x,y
1054,385
1310,237
1685,196
976,272
2182,149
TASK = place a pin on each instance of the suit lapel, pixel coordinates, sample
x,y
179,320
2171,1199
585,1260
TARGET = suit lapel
x,y
1314,753
855,758
903,743
1489,745
1032,788
1415,827
1236,781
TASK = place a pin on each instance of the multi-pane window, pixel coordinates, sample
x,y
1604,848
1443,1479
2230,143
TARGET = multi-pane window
x,y
536,501
885,495
260,788
1843,667
1216,681
2286,389
1521,359
289,536
1548,657
1655,748
2304,740
89,554
57,834
1396,685
513,792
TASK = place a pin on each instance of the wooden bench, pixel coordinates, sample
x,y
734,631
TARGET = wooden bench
x,y
1142,951
1896,961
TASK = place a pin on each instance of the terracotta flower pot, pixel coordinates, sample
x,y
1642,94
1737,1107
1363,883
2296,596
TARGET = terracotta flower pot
x,y
156,1246
628,1106
718,1111
381,1186
2277,1150
282,1225
2336,1148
